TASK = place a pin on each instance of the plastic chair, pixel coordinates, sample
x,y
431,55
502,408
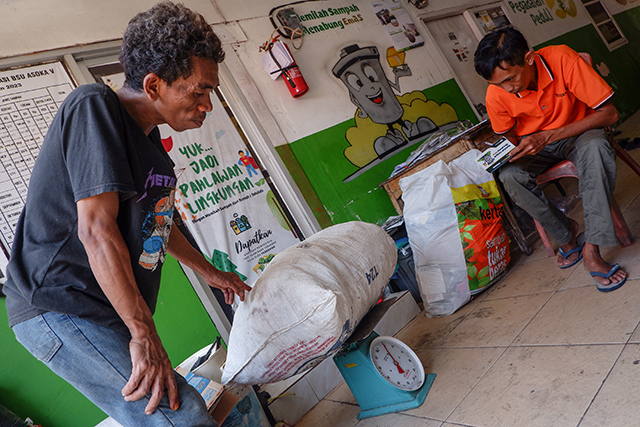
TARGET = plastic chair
x,y
566,169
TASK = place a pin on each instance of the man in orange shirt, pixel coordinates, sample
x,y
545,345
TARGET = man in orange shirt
x,y
553,106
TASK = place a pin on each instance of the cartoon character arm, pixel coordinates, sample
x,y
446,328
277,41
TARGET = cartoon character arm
x,y
361,112
399,71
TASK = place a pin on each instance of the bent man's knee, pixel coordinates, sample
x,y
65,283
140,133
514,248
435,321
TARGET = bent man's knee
x,y
512,177
595,143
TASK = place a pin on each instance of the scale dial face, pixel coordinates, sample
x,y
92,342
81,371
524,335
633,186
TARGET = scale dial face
x,y
397,363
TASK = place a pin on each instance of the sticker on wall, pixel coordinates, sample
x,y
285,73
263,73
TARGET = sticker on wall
x,y
396,20
239,224
491,18
460,51
565,8
385,122
487,22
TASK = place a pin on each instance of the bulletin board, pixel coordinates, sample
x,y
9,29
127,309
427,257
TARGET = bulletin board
x,y
29,99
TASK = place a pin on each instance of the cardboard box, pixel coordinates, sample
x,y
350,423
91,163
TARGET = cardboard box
x,y
208,389
223,406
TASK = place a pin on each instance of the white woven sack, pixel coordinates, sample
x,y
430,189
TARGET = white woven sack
x,y
307,302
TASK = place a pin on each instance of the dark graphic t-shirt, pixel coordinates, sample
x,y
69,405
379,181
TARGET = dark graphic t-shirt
x,y
93,146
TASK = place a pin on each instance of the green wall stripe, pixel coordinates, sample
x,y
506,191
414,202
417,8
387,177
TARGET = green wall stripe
x,y
299,177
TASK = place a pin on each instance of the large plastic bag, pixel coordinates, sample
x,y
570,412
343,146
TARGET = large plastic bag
x,y
308,300
453,215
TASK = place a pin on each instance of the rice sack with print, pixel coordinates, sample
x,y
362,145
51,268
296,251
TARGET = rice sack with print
x,y
484,241
307,301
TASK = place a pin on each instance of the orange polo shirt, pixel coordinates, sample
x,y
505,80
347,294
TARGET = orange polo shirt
x,y
568,88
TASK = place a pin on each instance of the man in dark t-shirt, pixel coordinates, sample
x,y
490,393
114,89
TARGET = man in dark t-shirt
x,y
84,273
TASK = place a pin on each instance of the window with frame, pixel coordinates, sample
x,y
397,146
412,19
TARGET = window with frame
x,y
605,24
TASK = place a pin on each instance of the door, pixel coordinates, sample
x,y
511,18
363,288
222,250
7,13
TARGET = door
x,y
458,44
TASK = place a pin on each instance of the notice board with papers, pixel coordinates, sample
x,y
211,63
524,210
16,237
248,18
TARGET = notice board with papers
x,y
29,99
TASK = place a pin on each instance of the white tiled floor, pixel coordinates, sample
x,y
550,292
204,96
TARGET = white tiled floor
x,y
540,348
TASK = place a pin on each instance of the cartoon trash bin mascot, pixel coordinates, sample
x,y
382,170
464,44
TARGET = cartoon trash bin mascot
x,y
370,90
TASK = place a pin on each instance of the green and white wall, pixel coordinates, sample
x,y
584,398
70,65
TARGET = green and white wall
x,y
312,130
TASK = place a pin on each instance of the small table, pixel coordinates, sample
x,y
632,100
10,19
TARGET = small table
x,y
476,137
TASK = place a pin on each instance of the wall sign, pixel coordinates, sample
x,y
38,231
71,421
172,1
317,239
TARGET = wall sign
x,y
331,18
539,11
29,98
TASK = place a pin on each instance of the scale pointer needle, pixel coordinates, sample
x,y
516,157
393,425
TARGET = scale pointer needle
x,y
400,370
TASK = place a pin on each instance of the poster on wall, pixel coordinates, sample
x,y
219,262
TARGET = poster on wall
x,y
29,98
398,24
224,199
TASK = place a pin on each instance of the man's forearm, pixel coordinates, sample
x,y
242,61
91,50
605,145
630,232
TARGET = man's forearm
x,y
534,143
604,116
111,263
180,248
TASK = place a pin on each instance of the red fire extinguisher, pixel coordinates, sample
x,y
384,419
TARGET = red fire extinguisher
x,y
291,73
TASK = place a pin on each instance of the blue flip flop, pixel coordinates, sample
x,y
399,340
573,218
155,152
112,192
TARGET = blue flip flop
x,y
611,286
578,248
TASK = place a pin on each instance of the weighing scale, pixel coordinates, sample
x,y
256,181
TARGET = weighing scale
x,y
383,373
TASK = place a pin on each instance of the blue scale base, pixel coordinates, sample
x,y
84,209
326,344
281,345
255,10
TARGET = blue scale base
x,y
419,397
374,394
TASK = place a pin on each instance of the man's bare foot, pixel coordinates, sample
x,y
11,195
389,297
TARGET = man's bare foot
x,y
593,262
570,258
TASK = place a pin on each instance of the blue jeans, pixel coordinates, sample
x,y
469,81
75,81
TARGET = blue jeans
x,y
95,360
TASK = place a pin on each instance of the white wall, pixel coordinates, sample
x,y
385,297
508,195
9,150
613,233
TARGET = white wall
x,y
327,103
28,26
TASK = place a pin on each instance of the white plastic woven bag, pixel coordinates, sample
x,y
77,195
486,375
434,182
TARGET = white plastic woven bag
x,y
432,226
307,302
